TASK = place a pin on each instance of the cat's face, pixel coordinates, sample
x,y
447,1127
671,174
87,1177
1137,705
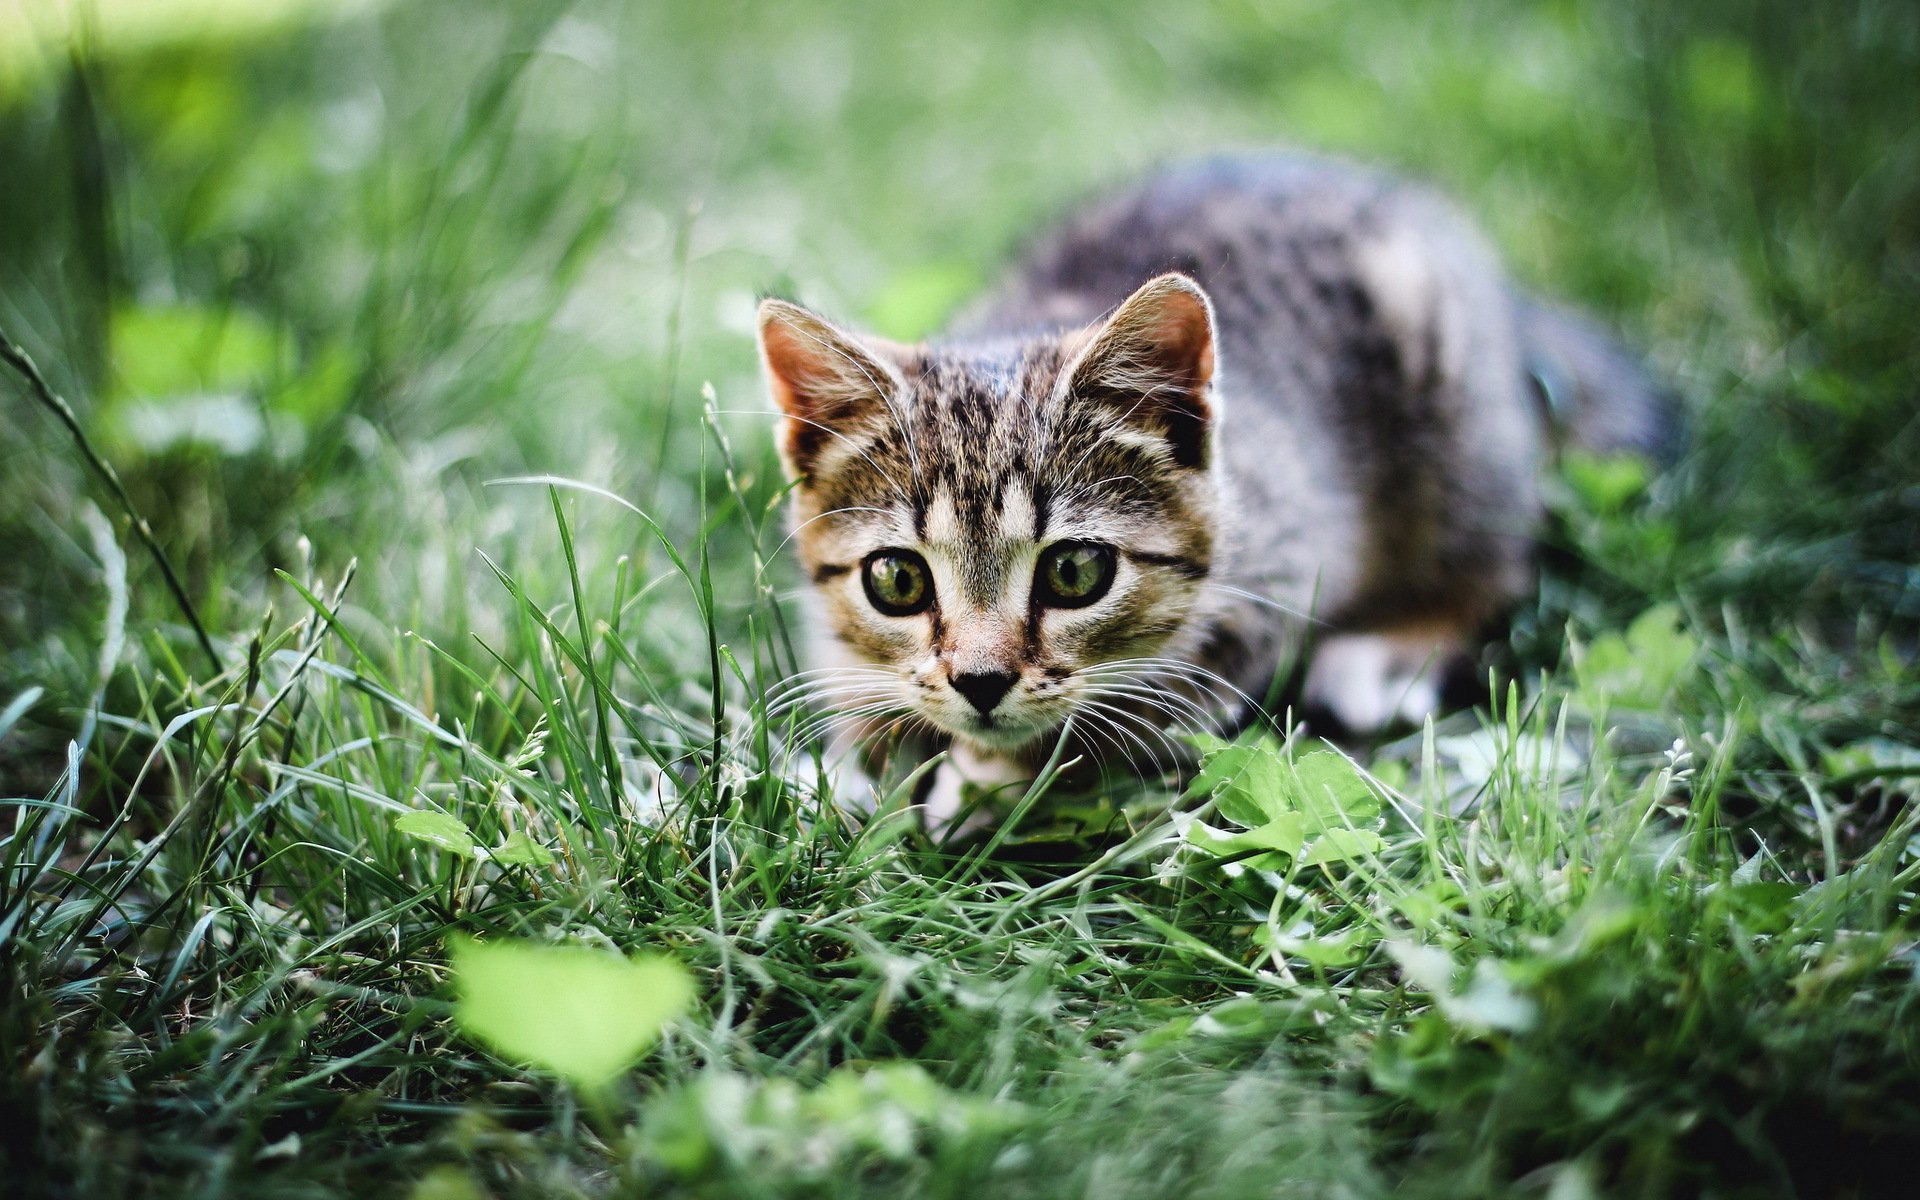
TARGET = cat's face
x,y
996,531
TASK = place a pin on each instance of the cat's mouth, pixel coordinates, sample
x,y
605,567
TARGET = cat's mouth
x,y
1000,730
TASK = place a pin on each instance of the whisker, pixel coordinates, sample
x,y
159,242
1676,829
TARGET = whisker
x,y
832,512
1157,703
1269,601
1101,725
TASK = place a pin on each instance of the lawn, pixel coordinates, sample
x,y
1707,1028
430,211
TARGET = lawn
x,y
425,825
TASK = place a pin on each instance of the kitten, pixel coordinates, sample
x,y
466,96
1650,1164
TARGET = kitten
x,y
1249,407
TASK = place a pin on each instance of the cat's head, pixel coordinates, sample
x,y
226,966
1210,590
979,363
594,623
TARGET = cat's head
x,y
995,530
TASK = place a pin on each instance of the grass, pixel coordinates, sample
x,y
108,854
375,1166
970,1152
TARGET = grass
x,y
417,334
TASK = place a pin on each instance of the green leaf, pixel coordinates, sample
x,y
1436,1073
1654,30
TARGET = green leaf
x,y
445,1183
1604,484
519,850
1285,834
1282,803
1332,791
1640,668
1431,903
1873,761
1342,845
1721,79
1340,949
1220,760
173,350
438,829
1250,782
582,1014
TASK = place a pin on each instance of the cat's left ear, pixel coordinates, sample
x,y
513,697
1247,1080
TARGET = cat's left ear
x,y
1153,360
828,382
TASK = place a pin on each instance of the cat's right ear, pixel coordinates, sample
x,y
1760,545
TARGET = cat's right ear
x,y
1152,362
826,381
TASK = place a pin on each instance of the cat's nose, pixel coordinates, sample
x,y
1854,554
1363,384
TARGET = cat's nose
x,y
984,689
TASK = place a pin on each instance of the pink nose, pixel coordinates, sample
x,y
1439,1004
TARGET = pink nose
x,y
984,689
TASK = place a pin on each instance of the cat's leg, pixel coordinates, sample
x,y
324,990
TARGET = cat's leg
x,y
1369,681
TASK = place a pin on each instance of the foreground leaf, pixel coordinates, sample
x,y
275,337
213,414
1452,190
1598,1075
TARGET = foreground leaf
x,y
438,829
582,1014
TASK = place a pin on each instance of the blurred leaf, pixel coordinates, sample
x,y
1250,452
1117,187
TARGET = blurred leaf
x,y
1638,669
438,829
1876,761
519,850
217,377
1761,907
1430,903
1428,968
583,1014
177,350
319,389
227,423
1479,756
1339,949
17,708
446,1183
1491,1001
34,33
1720,77
1604,484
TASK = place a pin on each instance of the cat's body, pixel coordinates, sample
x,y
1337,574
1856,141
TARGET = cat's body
x,y
1340,451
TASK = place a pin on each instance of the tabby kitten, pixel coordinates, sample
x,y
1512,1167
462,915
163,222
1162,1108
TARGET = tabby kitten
x,y
1250,408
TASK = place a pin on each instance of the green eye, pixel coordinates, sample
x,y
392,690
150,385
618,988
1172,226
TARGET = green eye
x,y
897,582
1074,574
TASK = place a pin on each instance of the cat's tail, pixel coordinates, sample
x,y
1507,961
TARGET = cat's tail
x,y
1600,396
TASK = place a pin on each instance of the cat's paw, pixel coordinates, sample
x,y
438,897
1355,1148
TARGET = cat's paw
x,y
1370,681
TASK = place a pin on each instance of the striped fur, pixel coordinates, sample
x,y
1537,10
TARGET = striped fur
x,y
1294,398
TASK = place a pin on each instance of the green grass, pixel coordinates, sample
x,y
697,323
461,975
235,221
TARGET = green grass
x,y
418,333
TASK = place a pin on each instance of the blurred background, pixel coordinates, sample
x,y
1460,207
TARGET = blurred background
x,y
311,272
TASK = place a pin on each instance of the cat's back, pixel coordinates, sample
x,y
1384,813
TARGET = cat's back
x,y
1276,240
1374,411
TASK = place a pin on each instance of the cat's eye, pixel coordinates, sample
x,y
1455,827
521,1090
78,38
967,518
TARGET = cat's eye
x,y
897,582
1074,574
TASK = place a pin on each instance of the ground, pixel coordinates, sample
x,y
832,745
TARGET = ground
x,y
420,336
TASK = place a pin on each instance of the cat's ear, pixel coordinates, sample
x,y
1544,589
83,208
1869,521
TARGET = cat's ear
x,y
826,381
1153,359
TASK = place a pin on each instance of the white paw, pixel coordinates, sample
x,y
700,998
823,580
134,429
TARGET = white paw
x,y
1369,681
